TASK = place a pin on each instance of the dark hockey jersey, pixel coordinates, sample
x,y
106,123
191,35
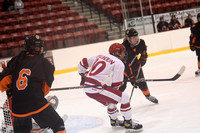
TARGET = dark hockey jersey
x,y
195,35
162,26
133,62
30,82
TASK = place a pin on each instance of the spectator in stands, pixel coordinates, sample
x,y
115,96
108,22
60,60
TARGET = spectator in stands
x,y
174,23
162,25
18,4
7,5
189,21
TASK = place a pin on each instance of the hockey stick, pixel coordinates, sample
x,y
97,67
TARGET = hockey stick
x,y
78,87
140,67
175,77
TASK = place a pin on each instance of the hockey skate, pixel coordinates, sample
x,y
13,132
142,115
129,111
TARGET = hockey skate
x,y
197,73
116,123
152,99
132,127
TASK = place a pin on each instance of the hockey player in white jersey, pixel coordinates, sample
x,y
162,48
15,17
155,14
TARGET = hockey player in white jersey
x,y
101,67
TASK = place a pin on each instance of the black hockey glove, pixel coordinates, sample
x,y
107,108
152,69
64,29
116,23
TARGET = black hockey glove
x,y
192,48
82,78
142,62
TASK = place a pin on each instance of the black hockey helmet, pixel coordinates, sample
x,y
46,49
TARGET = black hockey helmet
x,y
198,15
33,44
131,32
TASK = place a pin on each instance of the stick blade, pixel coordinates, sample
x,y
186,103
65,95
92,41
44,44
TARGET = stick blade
x,y
181,70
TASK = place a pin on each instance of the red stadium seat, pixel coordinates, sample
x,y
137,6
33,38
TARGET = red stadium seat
x,y
70,20
3,50
2,23
69,39
59,30
17,36
107,9
42,17
71,13
14,14
49,31
30,26
19,28
50,23
79,27
43,9
62,14
52,15
49,42
90,25
70,28
15,48
79,37
8,29
39,32
59,41
80,19
4,15
40,25
12,21
60,21
22,20
26,33
117,16
90,36
101,34
32,18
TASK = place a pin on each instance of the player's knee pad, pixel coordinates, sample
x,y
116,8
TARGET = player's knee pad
x,y
111,106
125,98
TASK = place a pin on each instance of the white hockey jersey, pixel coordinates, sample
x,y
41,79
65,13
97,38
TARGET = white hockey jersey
x,y
100,68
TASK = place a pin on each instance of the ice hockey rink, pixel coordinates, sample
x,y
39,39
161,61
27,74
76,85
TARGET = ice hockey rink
x,y
178,110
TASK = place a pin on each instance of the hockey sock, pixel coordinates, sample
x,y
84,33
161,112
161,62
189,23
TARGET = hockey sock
x,y
112,111
146,92
126,111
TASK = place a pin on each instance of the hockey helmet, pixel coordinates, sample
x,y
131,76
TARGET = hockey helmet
x,y
131,32
33,44
116,47
132,37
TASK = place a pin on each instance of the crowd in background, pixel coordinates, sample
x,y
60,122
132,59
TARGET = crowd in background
x,y
174,23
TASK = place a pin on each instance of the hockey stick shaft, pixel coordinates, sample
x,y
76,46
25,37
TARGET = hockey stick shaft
x,y
140,67
175,77
75,87
78,87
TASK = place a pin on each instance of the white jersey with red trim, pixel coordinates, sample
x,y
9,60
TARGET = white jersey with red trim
x,y
100,68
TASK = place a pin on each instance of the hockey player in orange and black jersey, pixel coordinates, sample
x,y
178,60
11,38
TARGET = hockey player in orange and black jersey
x,y
174,23
30,76
162,25
195,41
134,47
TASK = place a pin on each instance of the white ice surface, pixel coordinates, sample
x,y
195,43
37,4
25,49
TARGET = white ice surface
x,y
178,110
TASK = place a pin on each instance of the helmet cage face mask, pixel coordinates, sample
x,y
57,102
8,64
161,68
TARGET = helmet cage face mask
x,y
133,40
132,37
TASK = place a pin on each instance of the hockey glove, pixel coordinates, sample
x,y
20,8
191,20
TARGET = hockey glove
x,y
82,78
192,48
142,61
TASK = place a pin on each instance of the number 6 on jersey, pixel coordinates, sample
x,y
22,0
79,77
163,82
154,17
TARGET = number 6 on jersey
x,y
22,80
